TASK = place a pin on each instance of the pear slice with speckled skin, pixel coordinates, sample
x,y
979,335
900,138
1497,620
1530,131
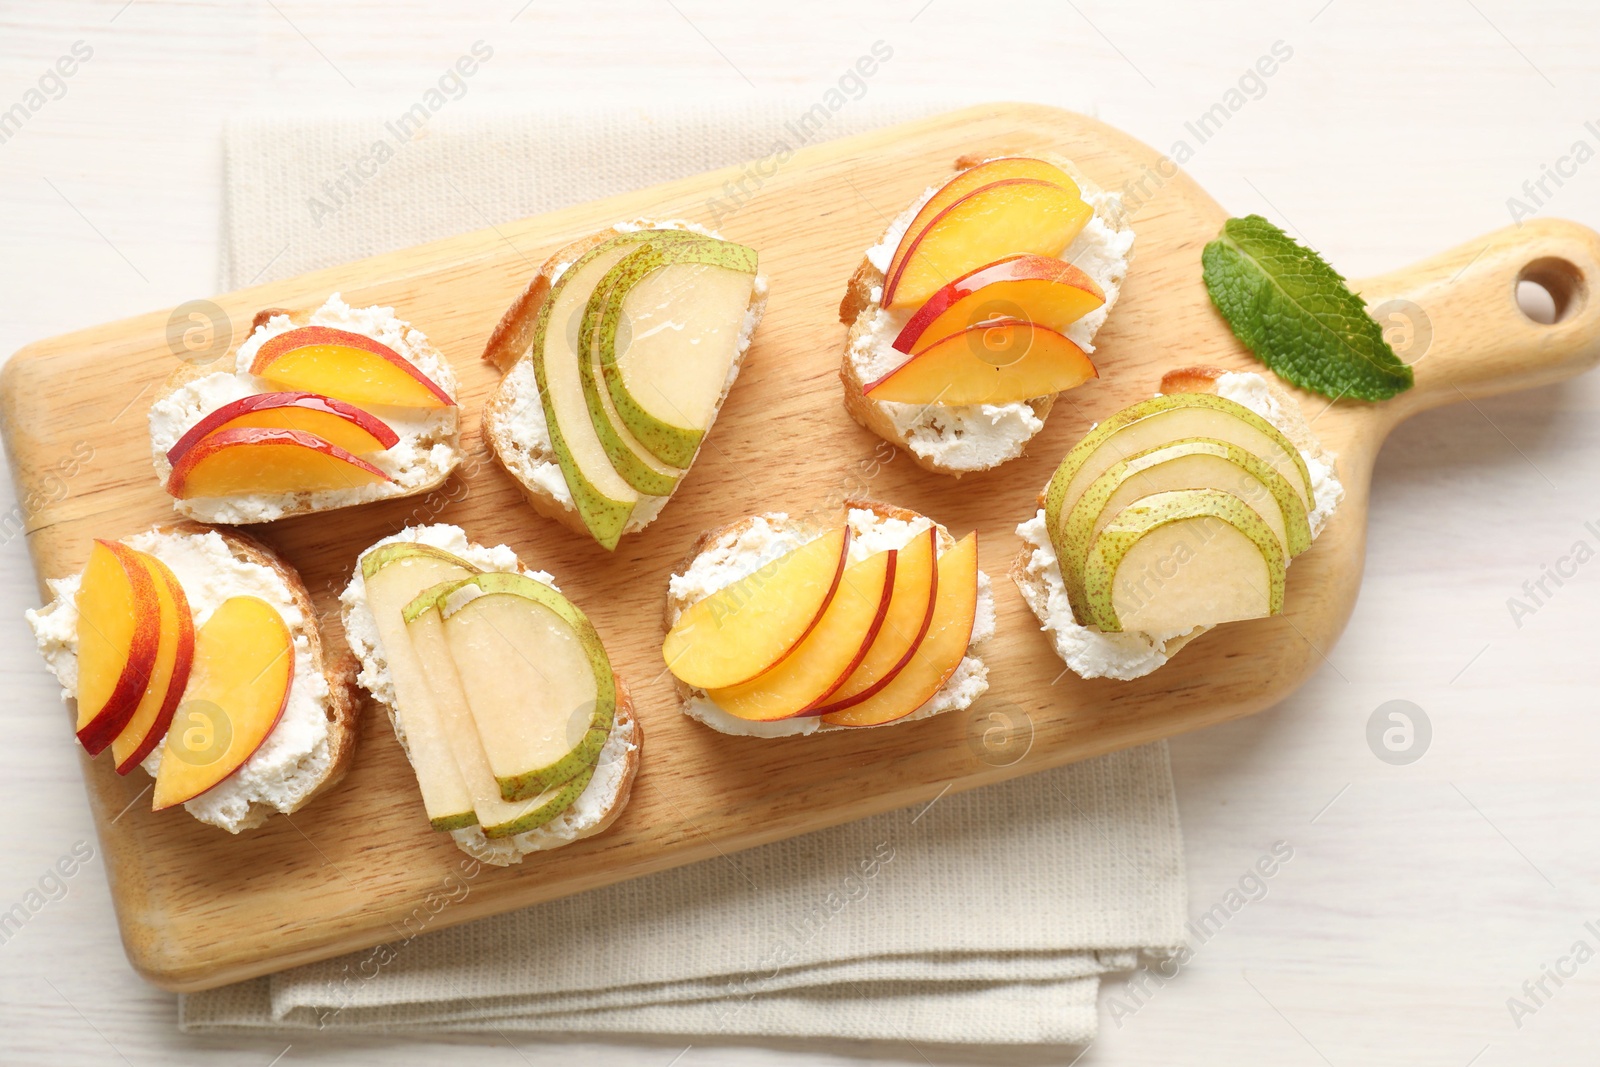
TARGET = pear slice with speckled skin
x,y
535,674
1182,559
668,338
1196,463
538,810
602,497
1161,420
497,816
392,576
638,466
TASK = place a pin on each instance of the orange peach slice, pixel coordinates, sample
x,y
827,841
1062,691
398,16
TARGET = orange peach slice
x,y
916,590
348,366
243,670
751,625
985,173
254,459
994,363
939,653
822,662
1039,289
335,421
1015,215
118,637
174,657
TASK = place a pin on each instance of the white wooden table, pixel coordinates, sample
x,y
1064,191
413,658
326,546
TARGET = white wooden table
x,y
1419,897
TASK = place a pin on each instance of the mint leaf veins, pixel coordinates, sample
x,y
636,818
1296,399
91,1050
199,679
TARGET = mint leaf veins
x,y
1297,315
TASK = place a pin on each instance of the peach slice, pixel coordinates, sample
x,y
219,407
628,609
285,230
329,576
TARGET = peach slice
x,y
749,626
253,459
348,366
1015,215
174,658
335,421
238,688
985,173
1040,289
118,637
939,653
916,590
827,657
993,363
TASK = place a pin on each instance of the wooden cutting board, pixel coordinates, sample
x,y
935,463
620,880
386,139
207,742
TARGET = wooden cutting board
x,y
359,866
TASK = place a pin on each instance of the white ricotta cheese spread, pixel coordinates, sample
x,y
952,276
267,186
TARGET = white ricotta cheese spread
x,y
427,451
294,758
981,436
1093,654
768,537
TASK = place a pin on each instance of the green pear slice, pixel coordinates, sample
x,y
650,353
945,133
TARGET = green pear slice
x,y
497,816
393,575
602,497
1182,559
538,810
536,677
668,338
458,787
1198,463
1162,420
637,465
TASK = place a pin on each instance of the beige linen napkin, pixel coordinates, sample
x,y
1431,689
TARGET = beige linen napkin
x,y
985,917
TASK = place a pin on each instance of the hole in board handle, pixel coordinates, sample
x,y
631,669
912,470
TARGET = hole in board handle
x,y
1550,290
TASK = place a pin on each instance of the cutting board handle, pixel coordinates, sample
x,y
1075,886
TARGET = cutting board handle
x,y
1455,318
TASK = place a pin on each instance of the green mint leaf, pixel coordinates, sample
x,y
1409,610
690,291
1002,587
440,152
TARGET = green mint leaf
x,y
1297,315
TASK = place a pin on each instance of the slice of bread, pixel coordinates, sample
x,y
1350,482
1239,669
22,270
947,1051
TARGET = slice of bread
x,y
1125,656
959,440
597,807
428,450
312,745
725,555
513,418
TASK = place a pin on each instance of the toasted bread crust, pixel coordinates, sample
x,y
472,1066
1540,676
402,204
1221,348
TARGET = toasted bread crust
x,y
266,315
1191,380
858,291
344,705
189,372
513,334
511,340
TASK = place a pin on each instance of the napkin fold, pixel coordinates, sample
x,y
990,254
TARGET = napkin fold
x,y
983,917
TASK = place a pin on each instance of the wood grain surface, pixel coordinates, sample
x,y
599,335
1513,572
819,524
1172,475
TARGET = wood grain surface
x,y
199,908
